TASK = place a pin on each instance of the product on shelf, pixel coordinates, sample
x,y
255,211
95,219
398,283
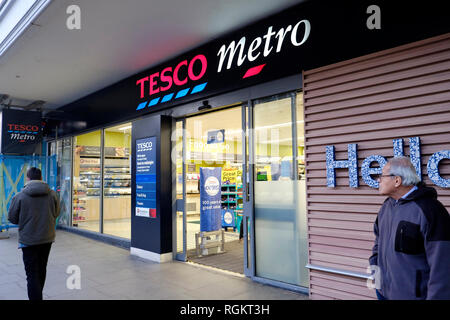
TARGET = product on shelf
x,y
87,185
117,181
117,177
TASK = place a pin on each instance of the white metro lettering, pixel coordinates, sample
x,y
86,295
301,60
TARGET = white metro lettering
x,y
254,45
22,137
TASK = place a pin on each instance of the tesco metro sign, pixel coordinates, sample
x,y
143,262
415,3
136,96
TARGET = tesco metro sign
x,y
188,76
170,76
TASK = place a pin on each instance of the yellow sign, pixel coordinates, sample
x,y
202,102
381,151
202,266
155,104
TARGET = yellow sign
x,y
229,175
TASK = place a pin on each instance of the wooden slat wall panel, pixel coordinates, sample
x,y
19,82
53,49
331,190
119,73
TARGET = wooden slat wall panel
x,y
340,294
361,289
344,283
397,55
339,233
397,93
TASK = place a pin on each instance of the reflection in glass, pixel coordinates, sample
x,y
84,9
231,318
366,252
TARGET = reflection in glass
x,y
279,198
63,150
302,222
117,181
86,181
179,182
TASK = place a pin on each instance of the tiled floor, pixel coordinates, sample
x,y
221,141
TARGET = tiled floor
x,y
122,228
109,272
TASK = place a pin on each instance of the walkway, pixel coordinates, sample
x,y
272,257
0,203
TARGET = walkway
x,y
109,272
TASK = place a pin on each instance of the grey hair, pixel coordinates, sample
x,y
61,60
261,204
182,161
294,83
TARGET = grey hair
x,y
402,167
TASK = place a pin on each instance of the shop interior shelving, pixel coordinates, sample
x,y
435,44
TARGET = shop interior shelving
x,y
79,206
232,199
90,180
301,170
116,188
192,183
228,199
239,211
117,181
117,184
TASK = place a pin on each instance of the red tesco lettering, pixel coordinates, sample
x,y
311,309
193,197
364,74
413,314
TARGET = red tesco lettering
x,y
22,127
158,82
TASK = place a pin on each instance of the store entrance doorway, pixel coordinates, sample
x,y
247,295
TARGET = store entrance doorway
x,y
209,148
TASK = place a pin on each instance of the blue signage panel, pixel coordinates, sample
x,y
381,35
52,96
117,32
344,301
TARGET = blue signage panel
x,y
210,198
146,177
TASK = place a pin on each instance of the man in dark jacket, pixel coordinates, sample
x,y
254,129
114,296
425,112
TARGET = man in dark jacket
x,y
35,210
412,245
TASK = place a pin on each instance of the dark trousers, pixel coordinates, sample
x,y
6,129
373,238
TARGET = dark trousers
x,y
35,260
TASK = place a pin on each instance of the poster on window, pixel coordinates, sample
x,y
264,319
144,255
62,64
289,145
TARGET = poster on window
x,y
146,177
210,198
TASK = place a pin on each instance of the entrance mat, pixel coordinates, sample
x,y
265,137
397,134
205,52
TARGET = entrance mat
x,y
231,260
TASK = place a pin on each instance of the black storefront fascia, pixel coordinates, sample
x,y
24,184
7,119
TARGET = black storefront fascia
x,y
338,32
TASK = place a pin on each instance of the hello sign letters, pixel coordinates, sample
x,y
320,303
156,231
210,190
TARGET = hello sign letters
x,y
366,170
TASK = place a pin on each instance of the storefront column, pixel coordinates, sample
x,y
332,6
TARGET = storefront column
x,y
151,200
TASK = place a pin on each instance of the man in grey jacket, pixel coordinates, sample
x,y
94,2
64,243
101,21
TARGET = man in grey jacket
x,y
412,245
35,210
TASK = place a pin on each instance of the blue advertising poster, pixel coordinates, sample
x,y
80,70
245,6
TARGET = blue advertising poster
x,y
216,136
210,199
228,218
146,177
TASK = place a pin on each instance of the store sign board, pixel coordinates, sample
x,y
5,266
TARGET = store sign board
x,y
21,131
226,63
302,37
146,177
299,38
366,170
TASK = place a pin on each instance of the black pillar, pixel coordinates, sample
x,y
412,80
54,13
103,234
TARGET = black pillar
x,y
151,231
